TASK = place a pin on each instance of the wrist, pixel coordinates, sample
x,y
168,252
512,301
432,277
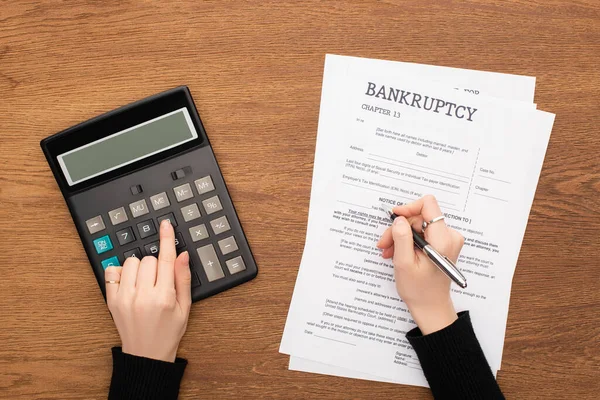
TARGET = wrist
x,y
168,356
433,318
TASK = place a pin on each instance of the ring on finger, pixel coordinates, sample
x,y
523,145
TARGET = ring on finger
x,y
426,224
112,281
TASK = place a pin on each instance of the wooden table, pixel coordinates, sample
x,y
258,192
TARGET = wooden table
x,y
255,70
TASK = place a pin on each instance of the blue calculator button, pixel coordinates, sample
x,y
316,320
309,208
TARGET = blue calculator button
x,y
110,262
103,244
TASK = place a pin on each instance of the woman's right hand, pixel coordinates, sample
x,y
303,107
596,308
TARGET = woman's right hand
x,y
421,285
151,302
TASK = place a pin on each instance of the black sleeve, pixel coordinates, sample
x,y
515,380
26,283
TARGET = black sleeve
x,y
144,378
454,363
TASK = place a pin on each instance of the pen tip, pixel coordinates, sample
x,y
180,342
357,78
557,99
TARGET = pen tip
x,y
387,208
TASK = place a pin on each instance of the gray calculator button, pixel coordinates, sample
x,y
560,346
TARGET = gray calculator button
x,y
210,262
212,205
159,201
235,265
95,224
118,216
125,236
198,232
152,249
204,185
183,192
139,208
190,212
228,245
195,279
220,225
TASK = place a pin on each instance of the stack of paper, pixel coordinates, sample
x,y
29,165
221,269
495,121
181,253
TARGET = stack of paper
x,y
391,132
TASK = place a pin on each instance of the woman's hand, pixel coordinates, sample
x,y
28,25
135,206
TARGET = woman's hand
x,y
151,304
423,287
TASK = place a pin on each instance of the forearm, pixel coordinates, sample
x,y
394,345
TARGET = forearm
x,y
144,378
454,363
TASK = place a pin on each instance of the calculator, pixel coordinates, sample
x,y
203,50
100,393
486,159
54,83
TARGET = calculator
x,y
124,172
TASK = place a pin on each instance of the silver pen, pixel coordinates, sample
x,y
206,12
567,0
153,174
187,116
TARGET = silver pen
x,y
441,261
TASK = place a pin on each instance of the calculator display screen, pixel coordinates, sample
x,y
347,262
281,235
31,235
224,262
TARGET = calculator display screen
x,y
127,146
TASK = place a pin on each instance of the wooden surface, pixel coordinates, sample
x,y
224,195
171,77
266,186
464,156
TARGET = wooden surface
x,y
255,70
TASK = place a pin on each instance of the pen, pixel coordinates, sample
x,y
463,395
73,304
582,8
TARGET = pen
x,y
441,261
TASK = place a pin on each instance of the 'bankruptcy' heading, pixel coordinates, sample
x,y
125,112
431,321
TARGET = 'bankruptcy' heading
x,y
418,101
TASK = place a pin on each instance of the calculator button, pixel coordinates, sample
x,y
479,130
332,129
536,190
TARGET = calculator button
x,y
152,248
220,225
139,208
125,236
159,201
228,245
136,189
111,262
169,217
179,243
198,232
212,205
235,265
103,244
210,262
190,212
133,253
195,279
95,224
118,216
146,229
204,185
183,192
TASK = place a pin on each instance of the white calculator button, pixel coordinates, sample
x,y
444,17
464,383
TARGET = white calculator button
x,y
212,205
183,192
159,201
138,208
210,262
204,185
95,224
118,216
190,212
198,232
235,265
220,225
227,245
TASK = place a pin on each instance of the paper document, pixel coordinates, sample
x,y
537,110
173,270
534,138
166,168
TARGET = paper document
x,y
385,136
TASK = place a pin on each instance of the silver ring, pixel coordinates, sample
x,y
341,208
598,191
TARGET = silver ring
x,y
426,224
112,281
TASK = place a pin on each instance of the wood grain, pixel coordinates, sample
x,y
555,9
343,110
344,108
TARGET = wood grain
x,y
255,70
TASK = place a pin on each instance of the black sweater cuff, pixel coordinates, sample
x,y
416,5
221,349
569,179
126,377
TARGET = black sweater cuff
x,y
144,378
454,363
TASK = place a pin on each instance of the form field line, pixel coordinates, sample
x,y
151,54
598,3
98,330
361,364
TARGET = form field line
x,y
397,195
494,179
355,205
335,340
491,197
418,170
418,184
417,165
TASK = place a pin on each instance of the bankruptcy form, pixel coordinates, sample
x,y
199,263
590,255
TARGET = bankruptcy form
x,y
393,141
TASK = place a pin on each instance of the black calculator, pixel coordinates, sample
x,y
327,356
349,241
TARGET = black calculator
x,y
123,172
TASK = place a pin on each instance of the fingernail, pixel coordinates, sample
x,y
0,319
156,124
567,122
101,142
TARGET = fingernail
x,y
398,221
164,223
186,257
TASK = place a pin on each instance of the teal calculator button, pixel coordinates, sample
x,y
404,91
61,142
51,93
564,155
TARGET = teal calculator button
x,y
110,262
103,244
